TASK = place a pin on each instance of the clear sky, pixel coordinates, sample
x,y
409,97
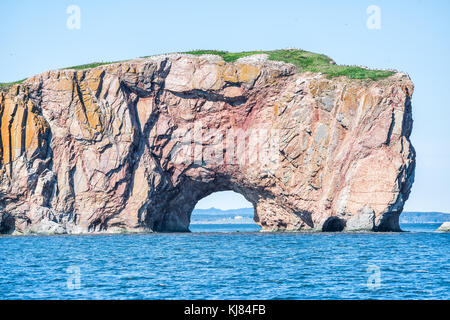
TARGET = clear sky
x,y
414,37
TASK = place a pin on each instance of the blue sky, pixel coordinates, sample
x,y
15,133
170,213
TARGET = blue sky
x,y
414,38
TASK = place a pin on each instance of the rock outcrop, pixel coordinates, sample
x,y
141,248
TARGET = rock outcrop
x,y
445,227
133,146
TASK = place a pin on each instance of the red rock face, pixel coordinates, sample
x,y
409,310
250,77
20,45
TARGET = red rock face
x,y
134,146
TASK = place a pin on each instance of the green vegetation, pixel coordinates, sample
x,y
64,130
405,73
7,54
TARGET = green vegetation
x,y
4,86
89,65
227,56
305,61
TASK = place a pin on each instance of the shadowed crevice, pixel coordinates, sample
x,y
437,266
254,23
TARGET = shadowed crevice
x,y
333,224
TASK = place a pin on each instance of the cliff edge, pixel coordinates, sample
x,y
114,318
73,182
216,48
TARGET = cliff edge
x,y
134,145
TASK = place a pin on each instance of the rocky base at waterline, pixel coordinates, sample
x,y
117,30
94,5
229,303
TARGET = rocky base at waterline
x,y
107,149
445,227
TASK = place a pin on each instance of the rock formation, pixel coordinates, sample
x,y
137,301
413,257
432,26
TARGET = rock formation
x,y
445,227
133,146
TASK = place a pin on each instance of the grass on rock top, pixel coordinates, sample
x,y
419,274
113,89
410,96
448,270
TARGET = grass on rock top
x,y
303,60
89,65
306,61
7,85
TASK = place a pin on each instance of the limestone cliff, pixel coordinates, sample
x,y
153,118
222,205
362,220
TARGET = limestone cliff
x,y
133,146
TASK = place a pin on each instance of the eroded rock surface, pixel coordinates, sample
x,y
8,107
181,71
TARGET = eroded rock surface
x,y
104,149
445,227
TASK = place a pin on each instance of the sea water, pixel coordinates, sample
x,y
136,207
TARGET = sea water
x,y
221,263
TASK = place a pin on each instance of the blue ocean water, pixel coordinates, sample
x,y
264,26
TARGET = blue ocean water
x,y
221,264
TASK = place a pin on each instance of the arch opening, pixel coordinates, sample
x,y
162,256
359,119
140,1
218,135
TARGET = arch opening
x,y
223,211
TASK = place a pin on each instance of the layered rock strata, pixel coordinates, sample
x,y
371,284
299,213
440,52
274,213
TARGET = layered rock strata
x,y
135,145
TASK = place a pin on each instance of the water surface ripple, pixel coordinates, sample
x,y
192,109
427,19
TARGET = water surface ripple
x,y
221,265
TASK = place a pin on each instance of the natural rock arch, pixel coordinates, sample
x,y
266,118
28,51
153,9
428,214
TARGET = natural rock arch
x,y
178,219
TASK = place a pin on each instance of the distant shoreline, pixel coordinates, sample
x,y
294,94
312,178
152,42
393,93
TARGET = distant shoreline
x,y
245,216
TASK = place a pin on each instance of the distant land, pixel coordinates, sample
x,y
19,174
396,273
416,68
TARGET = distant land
x,y
218,216
245,215
424,217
